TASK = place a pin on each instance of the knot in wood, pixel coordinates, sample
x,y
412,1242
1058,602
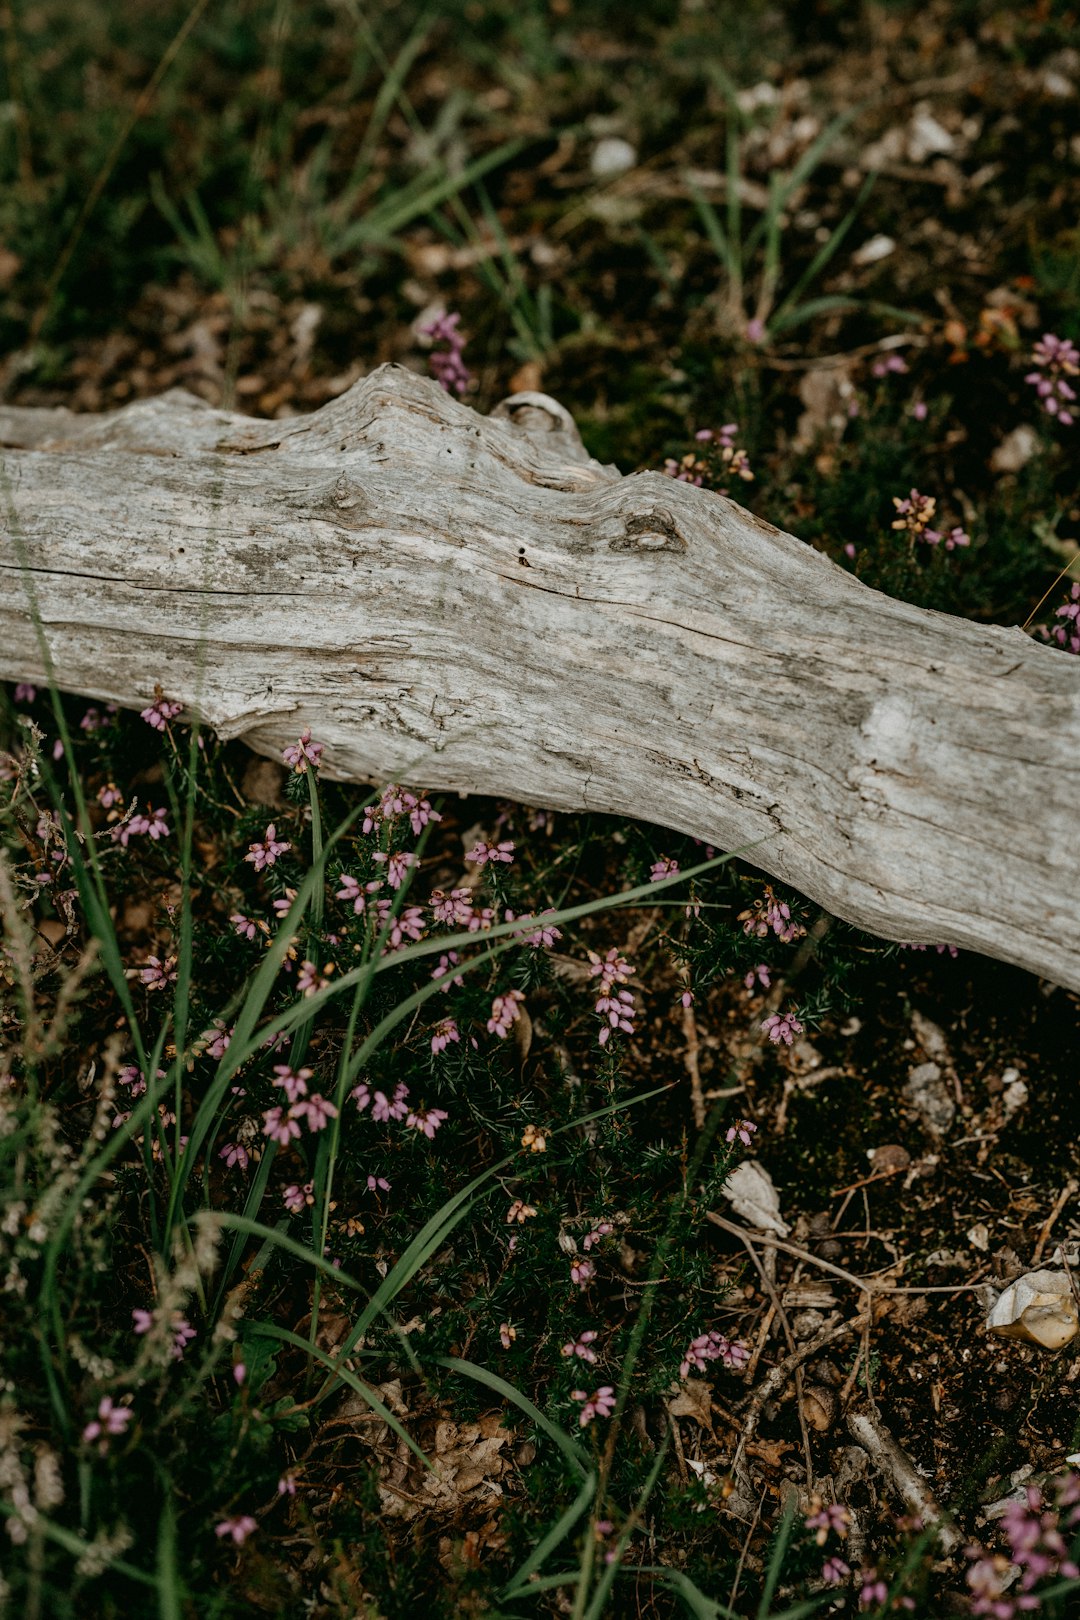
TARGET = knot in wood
x,y
650,531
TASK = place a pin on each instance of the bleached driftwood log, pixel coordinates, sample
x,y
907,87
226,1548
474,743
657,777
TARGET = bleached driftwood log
x,y
471,603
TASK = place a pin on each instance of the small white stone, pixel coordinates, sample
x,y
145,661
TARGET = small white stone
x,y
878,247
926,137
612,156
1015,450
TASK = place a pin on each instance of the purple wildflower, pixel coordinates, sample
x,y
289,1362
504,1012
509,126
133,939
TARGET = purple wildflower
x,y
443,1034
504,1011
742,1130
782,1027
1055,359
483,852
110,1420
238,1528
303,752
160,712
582,1346
266,853
713,1346
601,1403
426,1120
447,365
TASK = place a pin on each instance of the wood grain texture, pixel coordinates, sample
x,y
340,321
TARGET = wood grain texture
x,y
467,602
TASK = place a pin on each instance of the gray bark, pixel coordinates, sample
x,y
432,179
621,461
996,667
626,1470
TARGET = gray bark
x,y
471,603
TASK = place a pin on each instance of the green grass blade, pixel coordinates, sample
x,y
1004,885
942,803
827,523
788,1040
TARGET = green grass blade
x,y
480,1375
268,1330
776,1561
826,251
522,1582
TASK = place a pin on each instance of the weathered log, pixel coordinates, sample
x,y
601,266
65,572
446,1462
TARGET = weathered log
x,y
471,603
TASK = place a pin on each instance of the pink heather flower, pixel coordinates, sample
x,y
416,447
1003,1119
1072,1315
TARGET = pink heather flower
x,y
954,538
742,1130
318,1111
619,1012
664,867
134,826
601,1403
755,330
782,1027
760,975
507,1335
238,1528
454,909
266,853
582,1346
834,1570
303,753
143,1320
110,1420
286,1485
582,1272
612,969
283,904
311,978
831,1517
396,866
769,912
872,1589
243,925
377,1183
239,1372
183,1333
601,1230
686,999
420,813
233,1153
130,1076
446,365
482,852
886,364
448,960
504,1011
109,795
687,471
713,1346
280,1127
296,1199
382,1109
361,1095
158,975
408,924
520,1212
25,693
544,936
160,712
920,410
156,824
442,1035
1067,633
294,1085
914,513
426,1120
1055,359
352,892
